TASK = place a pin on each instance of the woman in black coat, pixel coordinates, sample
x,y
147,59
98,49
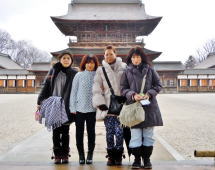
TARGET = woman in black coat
x,y
58,82
142,139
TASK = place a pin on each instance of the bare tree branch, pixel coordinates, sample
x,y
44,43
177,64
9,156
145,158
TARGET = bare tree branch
x,y
22,52
208,48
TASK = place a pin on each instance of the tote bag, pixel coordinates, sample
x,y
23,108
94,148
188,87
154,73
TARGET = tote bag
x,y
134,113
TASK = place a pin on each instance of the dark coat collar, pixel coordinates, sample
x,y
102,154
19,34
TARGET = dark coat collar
x,y
58,67
142,68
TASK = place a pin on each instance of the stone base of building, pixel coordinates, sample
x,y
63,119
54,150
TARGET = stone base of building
x,y
17,90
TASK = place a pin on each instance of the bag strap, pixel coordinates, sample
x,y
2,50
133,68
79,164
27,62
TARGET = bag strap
x,y
108,81
144,82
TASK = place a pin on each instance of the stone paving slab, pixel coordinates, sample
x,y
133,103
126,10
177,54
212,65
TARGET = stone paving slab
x,y
34,153
102,166
37,148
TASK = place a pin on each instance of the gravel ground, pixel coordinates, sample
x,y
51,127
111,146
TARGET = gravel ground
x,y
17,119
189,121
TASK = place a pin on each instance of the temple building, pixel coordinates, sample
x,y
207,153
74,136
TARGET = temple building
x,y
98,23
168,72
13,78
199,79
40,69
208,63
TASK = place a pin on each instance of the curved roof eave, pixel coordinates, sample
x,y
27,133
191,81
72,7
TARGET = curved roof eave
x,y
152,54
149,24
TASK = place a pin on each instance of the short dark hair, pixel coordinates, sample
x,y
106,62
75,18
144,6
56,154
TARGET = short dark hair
x,y
87,59
65,53
110,47
137,51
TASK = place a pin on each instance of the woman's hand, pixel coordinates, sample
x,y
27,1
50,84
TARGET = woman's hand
x,y
38,107
138,97
103,107
146,96
74,113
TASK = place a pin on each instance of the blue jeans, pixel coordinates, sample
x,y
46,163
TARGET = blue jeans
x,y
142,136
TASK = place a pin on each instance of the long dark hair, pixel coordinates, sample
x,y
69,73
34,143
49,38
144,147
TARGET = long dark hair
x,y
87,59
139,52
65,53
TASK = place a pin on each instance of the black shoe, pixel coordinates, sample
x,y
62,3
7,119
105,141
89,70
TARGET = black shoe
x,y
57,155
89,158
110,162
81,159
118,162
65,160
147,164
57,160
137,163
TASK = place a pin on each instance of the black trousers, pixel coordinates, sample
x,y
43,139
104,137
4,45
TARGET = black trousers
x,y
90,119
61,140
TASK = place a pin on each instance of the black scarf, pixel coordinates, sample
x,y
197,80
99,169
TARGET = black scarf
x,y
59,67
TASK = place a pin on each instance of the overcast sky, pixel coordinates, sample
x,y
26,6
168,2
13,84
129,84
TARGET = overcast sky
x,y
185,27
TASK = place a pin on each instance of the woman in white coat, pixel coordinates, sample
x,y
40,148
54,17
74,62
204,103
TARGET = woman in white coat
x,y
114,68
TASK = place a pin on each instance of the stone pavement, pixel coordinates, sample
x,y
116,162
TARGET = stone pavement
x,y
38,148
34,153
102,166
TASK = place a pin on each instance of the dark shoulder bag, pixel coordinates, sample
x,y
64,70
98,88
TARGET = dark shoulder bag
x,y
116,102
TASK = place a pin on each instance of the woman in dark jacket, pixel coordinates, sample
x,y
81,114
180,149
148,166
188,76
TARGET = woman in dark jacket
x,y
59,83
142,139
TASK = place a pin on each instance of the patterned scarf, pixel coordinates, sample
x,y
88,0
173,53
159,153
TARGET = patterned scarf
x,y
53,110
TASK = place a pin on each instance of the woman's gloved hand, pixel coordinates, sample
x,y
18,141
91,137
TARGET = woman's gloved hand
x,y
103,107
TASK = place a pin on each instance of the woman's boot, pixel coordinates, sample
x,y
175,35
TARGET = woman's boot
x,y
137,157
89,158
65,144
65,156
81,154
57,155
146,153
118,155
110,156
90,153
81,158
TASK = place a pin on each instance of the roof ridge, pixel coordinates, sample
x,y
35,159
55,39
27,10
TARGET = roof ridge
x,y
105,1
4,55
167,62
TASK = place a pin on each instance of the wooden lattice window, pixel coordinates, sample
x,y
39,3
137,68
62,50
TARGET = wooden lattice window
x,y
20,83
204,82
213,83
29,83
170,83
194,82
11,83
1,83
184,83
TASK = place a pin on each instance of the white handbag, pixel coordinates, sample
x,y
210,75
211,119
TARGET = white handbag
x,y
134,113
